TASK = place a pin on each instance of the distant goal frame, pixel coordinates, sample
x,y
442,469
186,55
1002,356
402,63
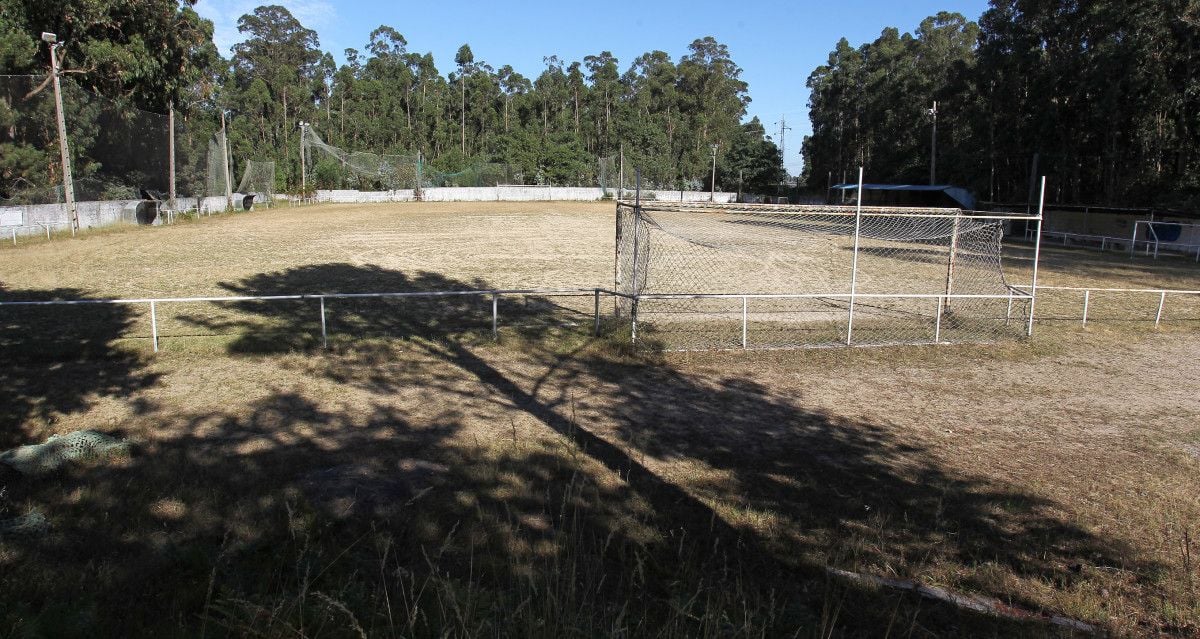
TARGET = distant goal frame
x,y
749,315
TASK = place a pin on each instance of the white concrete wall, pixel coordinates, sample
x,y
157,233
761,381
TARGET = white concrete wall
x,y
31,219
508,194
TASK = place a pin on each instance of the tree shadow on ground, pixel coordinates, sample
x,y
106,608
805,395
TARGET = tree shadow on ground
x,y
562,488
59,359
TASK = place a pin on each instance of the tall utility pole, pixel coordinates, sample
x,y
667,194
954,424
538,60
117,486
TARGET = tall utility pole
x,y
464,113
783,129
68,182
712,193
225,164
933,147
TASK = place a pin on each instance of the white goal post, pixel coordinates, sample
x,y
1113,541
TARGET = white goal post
x,y
732,276
1157,235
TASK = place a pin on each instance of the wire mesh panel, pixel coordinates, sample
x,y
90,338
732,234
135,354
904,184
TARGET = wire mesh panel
x,y
916,275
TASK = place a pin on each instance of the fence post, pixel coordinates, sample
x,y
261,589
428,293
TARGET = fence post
x,y
324,336
1008,313
495,316
937,325
1162,299
854,263
951,260
1037,257
153,326
1087,298
596,326
744,315
14,236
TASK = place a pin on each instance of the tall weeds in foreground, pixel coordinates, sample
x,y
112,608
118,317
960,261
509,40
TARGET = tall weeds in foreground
x,y
563,565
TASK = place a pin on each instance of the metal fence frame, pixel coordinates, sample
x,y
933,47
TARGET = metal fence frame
x,y
495,294
858,212
1087,291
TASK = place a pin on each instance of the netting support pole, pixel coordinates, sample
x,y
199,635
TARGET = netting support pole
x,y
951,260
171,155
621,176
225,164
1008,313
495,317
745,315
1087,299
1162,300
633,285
64,152
324,335
1133,241
1037,256
854,263
154,326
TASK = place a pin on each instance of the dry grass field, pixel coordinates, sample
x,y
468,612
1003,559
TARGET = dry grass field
x,y
417,479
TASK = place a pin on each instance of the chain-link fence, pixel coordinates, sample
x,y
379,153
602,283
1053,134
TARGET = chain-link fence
x,y
705,276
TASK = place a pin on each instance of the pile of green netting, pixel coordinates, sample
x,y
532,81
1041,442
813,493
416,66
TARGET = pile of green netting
x,y
60,451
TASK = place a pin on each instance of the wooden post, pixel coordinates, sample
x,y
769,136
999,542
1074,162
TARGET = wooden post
x,y
64,152
171,155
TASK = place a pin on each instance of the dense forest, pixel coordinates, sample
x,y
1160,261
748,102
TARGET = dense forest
x,y
665,114
1101,96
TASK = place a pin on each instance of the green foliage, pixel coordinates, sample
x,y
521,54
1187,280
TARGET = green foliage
x,y
1104,93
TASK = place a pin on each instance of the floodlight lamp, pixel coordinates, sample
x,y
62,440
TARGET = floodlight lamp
x,y
49,37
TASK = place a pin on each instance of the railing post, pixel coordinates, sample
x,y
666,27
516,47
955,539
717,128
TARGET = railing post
x,y
596,325
937,325
1087,298
154,326
745,305
324,335
1008,313
1162,300
495,316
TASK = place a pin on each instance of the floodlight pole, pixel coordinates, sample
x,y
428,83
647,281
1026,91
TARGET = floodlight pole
x,y
1037,256
64,152
854,263
225,164
933,147
303,167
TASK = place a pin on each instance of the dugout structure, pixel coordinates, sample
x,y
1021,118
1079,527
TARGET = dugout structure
x,y
737,276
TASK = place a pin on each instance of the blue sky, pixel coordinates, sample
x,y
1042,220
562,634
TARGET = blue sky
x,y
777,44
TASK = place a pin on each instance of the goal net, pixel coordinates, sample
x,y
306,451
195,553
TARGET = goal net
x,y
337,167
258,179
710,276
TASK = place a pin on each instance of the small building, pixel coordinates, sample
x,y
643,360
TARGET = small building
x,y
909,195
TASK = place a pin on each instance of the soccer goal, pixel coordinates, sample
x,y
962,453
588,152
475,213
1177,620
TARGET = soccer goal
x,y
712,276
1175,237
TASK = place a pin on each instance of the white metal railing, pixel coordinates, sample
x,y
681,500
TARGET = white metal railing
x,y
45,226
1012,296
496,294
1087,296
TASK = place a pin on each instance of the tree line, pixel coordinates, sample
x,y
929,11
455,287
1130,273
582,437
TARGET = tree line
x,y
665,114
1103,97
